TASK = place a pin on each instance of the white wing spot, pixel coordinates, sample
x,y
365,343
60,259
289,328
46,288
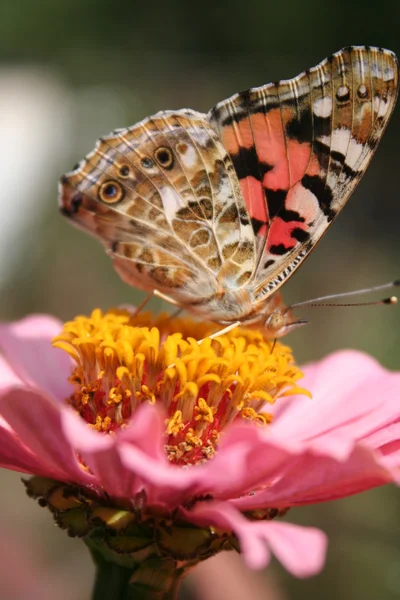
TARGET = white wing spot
x,y
189,157
171,200
304,202
343,92
354,152
380,106
341,140
362,91
323,107
388,74
345,144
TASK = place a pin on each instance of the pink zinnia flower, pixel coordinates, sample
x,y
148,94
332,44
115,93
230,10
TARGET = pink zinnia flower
x,y
125,380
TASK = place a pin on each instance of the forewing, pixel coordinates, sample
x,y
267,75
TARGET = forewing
x,y
300,147
164,198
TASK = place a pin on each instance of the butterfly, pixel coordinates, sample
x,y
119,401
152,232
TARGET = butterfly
x,y
214,212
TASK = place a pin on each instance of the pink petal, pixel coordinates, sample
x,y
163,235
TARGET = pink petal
x,y
301,550
313,478
164,484
147,464
237,466
140,448
391,457
348,389
27,347
81,436
37,421
382,438
100,454
247,457
146,431
324,378
7,375
15,456
250,457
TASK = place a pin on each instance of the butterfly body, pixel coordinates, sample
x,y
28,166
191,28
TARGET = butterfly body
x,y
217,210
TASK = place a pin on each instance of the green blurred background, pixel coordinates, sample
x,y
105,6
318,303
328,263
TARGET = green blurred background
x,y
73,70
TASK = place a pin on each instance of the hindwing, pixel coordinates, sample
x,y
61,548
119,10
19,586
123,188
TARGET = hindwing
x,y
164,198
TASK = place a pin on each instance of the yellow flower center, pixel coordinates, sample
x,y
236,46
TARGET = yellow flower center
x,y
124,360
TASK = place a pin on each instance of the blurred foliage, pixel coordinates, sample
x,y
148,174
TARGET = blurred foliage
x,y
112,63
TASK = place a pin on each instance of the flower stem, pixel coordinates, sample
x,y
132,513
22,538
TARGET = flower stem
x,y
112,581
152,580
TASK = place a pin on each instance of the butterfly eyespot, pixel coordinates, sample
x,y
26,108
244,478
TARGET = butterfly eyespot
x,y
147,163
362,91
164,157
124,171
343,93
111,192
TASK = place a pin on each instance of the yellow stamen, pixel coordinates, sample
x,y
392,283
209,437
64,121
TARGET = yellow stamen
x,y
174,424
205,412
102,424
251,415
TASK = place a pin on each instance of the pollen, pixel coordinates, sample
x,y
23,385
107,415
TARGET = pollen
x,y
122,361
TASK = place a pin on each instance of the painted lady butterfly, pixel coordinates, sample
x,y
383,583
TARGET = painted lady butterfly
x,y
215,211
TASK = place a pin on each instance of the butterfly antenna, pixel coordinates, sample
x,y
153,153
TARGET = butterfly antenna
x,y
321,301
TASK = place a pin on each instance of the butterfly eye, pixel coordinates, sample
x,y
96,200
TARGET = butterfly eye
x,y
147,163
124,171
111,192
164,157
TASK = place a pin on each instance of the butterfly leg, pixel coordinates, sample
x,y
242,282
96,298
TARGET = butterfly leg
x,y
220,332
143,303
165,297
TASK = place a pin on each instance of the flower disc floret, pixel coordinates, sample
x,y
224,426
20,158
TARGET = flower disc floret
x,y
123,361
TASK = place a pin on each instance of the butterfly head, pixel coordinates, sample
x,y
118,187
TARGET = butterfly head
x,y
281,322
278,319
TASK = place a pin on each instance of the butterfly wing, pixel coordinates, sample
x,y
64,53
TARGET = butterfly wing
x,y
300,147
164,199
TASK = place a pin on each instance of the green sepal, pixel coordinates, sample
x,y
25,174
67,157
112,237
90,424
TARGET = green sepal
x,y
39,487
62,498
114,518
75,521
143,553
69,506
184,541
155,574
128,544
